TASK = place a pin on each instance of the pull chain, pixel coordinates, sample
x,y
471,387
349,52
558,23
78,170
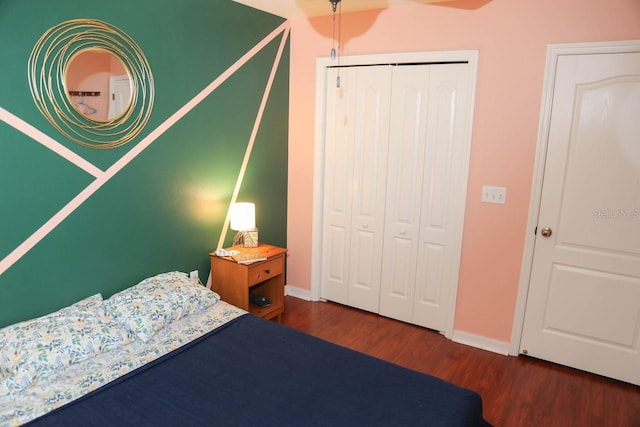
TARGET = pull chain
x,y
333,35
334,6
339,43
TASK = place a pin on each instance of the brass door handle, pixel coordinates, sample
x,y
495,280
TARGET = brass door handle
x,y
546,232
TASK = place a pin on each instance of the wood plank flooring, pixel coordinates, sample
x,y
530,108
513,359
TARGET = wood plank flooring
x,y
516,391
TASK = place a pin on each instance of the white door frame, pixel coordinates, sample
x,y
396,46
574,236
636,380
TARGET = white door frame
x,y
322,64
553,52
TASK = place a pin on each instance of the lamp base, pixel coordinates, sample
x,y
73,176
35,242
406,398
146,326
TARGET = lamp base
x,y
248,238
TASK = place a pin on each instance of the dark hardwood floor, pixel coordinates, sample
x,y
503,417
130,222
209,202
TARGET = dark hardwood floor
x,y
516,391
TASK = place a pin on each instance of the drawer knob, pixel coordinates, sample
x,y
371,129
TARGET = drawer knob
x,y
267,271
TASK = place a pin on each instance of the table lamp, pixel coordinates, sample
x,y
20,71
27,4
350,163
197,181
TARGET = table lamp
x,y
243,220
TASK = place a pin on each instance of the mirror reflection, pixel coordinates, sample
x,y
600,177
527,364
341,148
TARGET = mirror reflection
x,y
98,85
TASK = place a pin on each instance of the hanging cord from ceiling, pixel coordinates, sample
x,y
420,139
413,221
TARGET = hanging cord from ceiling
x,y
334,7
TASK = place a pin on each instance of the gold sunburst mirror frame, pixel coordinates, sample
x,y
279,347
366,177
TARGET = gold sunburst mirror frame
x,y
47,71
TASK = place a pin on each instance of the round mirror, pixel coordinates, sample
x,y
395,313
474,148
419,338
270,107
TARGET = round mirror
x,y
98,85
92,82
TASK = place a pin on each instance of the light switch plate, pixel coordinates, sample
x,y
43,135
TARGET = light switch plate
x,y
494,194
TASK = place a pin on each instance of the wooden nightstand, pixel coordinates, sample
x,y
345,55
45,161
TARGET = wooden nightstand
x,y
234,281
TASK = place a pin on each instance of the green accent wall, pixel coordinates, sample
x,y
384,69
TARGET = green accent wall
x,y
165,210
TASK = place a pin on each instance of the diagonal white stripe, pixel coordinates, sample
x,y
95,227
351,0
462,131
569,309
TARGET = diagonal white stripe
x,y
47,141
252,138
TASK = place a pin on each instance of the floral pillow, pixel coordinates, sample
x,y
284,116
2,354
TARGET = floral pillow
x,y
35,349
147,307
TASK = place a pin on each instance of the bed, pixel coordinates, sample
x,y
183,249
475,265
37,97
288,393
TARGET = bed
x,y
168,352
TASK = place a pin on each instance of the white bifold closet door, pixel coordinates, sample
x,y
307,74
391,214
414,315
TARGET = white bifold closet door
x,y
396,164
357,124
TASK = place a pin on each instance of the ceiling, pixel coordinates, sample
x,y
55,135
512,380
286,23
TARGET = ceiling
x,y
292,9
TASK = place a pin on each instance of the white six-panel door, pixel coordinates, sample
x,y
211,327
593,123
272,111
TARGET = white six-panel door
x,y
583,306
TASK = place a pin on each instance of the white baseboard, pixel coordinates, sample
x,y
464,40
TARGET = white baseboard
x,y
461,337
304,294
481,342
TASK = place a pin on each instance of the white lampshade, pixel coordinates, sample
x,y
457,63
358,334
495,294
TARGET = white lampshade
x,y
243,216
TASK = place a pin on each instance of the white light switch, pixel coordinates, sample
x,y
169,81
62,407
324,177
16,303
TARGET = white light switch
x,y
494,194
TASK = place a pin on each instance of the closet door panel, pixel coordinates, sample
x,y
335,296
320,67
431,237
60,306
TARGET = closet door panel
x,y
339,154
408,128
355,179
444,192
371,125
399,265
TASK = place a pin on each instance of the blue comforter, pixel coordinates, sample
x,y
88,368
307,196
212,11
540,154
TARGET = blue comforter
x,y
256,372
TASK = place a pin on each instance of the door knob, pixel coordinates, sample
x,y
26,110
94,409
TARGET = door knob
x,y
546,232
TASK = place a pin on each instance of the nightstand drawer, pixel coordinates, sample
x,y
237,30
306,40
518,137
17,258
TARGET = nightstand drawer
x,y
265,270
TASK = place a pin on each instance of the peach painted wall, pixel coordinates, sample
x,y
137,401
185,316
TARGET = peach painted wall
x,y
511,37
